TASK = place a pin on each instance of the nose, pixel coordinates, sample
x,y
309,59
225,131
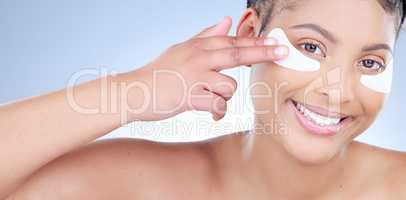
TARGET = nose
x,y
338,85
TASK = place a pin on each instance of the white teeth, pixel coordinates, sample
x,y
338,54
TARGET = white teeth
x,y
316,118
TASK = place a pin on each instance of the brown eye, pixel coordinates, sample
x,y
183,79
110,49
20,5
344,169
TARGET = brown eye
x,y
371,66
312,48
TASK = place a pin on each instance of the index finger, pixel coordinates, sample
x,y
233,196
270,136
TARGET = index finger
x,y
222,42
233,57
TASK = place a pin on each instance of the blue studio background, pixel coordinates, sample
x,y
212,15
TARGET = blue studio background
x,y
43,42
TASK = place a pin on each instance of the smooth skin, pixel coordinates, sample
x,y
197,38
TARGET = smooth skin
x,y
298,165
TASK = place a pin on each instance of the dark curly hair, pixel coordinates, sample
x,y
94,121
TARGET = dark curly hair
x,y
264,9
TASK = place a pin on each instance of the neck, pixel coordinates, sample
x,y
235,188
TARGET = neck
x,y
266,166
285,175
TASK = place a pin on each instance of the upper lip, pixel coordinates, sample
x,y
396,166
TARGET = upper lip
x,y
322,111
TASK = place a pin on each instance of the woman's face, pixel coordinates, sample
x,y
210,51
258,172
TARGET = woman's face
x,y
350,38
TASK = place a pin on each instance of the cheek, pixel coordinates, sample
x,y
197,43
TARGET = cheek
x,y
372,102
277,82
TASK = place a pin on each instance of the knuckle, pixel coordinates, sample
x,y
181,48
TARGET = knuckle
x,y
228,84
266,51
218,103
209,28
235,55
231,88
196,43
232,41
233,85
221,104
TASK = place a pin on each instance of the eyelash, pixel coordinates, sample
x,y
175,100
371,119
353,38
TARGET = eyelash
x,y
381,67
303,46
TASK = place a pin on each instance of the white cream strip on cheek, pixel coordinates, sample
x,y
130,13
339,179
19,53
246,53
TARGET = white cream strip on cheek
x,y
381,82
296,60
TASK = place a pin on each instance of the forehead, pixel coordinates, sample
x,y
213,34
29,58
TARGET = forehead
x,y
347,19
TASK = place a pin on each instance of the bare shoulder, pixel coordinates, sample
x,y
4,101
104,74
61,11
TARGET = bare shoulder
x,y
384,170
383,158
123,167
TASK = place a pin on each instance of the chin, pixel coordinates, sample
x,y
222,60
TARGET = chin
x,y
311,152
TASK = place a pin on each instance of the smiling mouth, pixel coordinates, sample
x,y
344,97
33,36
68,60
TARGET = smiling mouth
x,y
317,120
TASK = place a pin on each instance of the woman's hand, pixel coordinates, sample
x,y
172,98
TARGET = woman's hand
x,y
187,75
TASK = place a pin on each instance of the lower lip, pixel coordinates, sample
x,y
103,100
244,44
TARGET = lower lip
x,y
314,128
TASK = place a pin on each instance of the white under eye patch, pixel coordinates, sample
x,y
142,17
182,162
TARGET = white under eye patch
x,y
381,82
296,60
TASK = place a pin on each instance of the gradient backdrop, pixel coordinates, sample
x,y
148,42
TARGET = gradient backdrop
x,y
43,42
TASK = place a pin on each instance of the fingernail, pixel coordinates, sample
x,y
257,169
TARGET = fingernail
x,y
270,41
281,51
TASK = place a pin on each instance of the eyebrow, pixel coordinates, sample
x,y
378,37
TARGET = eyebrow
x,y
325,33
329,36
375,47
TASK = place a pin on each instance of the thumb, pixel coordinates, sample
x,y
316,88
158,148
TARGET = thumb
x,y
220,29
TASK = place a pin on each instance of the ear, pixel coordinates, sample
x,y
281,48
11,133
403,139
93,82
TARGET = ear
x,y
248,23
